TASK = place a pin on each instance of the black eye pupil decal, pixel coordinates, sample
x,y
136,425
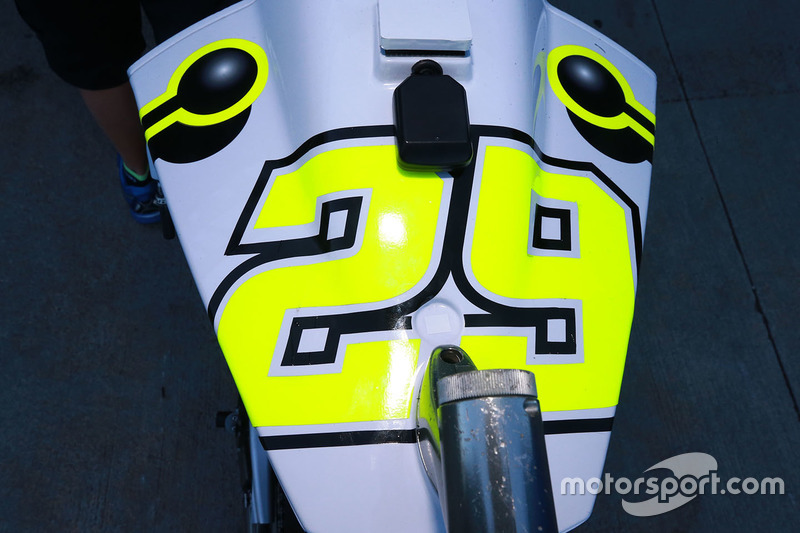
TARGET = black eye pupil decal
x,y
217,81
592,86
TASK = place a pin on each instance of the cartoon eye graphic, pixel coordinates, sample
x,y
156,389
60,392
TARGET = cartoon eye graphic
x,y
207,101
216,81
601,105
591,86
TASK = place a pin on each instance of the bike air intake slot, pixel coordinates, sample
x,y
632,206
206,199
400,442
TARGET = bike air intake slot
x,y
424,27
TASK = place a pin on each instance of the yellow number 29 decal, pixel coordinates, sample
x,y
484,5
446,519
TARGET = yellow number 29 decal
x,y
343,250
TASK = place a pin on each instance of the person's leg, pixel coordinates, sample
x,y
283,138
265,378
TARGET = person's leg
x,y
116,113
90,44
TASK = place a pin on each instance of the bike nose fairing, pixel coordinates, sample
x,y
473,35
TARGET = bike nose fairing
x,y
330,273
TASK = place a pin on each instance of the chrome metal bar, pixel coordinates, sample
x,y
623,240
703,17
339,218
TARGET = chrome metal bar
x,y
495,475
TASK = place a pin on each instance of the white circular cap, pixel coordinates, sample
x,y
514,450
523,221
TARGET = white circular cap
x,y
438,323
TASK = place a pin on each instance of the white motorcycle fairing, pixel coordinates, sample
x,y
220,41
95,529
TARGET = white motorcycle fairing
x,y
330,273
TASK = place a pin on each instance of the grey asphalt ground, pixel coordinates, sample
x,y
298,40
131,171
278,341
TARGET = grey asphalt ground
x,y
110,372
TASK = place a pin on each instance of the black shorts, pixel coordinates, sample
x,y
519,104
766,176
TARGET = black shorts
x,y
91,43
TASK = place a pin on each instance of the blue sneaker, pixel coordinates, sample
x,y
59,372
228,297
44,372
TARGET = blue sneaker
x,y
140,196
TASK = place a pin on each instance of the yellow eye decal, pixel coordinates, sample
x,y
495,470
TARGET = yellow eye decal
x,y
601,104
207,101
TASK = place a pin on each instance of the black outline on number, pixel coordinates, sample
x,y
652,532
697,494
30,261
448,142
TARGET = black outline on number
x,y
564,217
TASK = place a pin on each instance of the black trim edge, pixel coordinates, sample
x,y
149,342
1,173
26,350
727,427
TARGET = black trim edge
x,y
344,438
409,436
585,425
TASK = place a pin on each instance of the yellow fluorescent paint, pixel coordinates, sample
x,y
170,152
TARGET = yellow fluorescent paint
x,y
374,381
193,119
612,123
601,278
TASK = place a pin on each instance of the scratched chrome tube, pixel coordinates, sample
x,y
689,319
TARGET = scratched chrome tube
x,y
493,458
